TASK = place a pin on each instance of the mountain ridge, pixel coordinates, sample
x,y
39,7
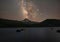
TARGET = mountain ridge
x,y
28,23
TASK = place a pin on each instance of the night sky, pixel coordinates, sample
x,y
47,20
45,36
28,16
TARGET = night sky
x,y
49,9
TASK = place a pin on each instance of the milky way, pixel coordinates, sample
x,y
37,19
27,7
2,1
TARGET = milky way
x,y
36,10
29,10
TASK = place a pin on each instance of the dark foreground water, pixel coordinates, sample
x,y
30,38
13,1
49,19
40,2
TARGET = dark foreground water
x,y
42,34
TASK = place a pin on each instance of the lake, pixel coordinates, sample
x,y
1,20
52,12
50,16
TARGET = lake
x,y
33,34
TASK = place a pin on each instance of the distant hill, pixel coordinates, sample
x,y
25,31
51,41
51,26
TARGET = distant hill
x,y
50,23
28,23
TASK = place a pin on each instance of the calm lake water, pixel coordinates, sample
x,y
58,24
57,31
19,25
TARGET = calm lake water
x,y
40,34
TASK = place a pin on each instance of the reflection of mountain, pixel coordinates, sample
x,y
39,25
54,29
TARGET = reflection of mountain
x,y
28,23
